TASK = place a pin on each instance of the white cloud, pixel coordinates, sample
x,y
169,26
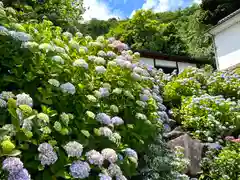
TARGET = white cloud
x,y
155,5
99,10
197,1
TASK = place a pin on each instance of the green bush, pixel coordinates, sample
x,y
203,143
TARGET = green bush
x,y
210,117
224,164
73,107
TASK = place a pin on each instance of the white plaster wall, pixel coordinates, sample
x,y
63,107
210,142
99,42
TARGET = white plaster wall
x,y
183,65
165,63
148,61
227,44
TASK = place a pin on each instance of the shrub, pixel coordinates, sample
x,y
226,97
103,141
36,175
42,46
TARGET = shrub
x,y
222,164
73,107
210,117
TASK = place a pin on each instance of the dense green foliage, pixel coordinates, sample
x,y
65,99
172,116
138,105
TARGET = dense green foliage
x,y
74,107
173,33
64,13
216,10
96,27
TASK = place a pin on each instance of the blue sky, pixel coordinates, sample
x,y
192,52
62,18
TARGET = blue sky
x,y
105,9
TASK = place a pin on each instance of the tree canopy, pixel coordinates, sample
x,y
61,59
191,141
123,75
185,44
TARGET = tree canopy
x,y
218,9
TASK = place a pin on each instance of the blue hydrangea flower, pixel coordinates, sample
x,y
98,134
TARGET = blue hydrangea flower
x,y
3,103
80,169
12,165
20,36
131,153
104,92
117,121
144,97
104,177
20,175
47,156
68,88
103,118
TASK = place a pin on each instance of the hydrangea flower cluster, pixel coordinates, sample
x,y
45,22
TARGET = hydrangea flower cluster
x,y
47,155
94,157
73,149
80,169
15,168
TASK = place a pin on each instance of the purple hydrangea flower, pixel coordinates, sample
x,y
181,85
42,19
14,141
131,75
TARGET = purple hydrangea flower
x,y
80,169
144,97
47,156
104,92
104,177
117,120
103,118
12,164
20,175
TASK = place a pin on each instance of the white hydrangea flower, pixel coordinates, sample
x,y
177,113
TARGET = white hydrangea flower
x,y
74,44
68,35
5,95
68,88
92,98
54,82
43,117
112,63
114,108
100,39
121,177
100,60
59,49
100,69
117,91
110,155
136,76
114,170
24,99
94,157
58,59
141,116
27,124
105,131
101,53
92,58
80,63
88,38
46,47
73,149
78,34
115,137
29,45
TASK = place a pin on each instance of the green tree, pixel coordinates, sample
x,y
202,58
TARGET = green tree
x,y
218,9
64,13
146,31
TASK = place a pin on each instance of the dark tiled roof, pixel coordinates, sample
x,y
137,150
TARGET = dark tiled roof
x,y
158,55
229,17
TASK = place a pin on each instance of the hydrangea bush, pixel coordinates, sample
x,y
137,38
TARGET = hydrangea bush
x,y
72,107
